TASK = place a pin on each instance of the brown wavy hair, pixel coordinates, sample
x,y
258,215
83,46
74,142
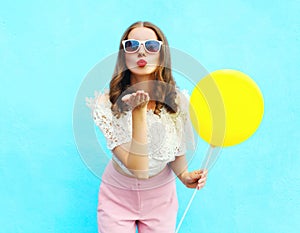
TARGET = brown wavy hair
x,y
165,89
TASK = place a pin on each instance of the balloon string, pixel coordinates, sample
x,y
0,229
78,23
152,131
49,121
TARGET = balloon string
x,y
186,210
209,153
211,157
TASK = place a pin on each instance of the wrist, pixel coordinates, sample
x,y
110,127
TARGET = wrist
x,y
139,112
183,176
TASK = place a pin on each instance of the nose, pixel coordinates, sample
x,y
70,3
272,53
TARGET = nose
x,y
142,51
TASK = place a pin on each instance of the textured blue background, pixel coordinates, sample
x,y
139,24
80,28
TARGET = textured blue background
x,y
47,48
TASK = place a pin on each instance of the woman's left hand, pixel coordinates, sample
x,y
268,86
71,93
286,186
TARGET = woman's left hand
x,y
195,179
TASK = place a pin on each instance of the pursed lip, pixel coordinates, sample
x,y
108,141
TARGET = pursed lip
x,y
141,63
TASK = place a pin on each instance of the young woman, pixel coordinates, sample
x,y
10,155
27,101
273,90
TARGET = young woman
x,y
145,120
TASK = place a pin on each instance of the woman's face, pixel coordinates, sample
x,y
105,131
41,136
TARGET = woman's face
x,y
142,62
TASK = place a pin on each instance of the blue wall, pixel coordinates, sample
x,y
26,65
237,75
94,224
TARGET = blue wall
x,y
46,50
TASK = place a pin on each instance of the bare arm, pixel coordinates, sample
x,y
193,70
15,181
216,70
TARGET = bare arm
x,y
194,179
179,167
135,154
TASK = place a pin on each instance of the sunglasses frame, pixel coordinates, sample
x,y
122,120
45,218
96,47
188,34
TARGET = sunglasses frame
x,y
141,42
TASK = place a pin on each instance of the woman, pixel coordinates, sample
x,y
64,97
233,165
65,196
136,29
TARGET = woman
x,y
145,121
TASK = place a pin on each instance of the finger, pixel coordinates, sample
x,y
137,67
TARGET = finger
x,y
202,179
192,186
141,94
193,179
136,100
200,187
132,100
140,98
205,171
195,175
202,182
203,176
140,91
146,97
125,98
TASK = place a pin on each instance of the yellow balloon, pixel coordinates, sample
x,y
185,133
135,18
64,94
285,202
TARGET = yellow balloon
x,y
226,107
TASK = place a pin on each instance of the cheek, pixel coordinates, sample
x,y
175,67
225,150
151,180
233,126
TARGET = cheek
x,y
130,60
154,59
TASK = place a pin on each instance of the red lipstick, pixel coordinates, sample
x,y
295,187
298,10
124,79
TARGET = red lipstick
x,y
141,63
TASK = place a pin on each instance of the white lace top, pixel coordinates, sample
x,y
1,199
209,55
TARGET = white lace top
x,y
169,135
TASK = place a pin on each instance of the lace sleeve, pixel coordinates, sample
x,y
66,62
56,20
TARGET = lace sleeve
x,y
116,130
186,135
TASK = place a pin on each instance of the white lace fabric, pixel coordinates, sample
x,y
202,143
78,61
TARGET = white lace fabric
x,y
169,135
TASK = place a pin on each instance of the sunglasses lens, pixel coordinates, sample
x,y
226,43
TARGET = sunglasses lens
x,y
152,46
131,45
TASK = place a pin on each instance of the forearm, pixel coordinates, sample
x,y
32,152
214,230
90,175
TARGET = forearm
x,y
137,160
194,179
179,167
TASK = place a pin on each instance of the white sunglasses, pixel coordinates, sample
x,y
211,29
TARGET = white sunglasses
x,y
132,46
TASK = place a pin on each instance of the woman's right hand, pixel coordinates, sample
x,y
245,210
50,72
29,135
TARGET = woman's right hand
x,y
137,99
